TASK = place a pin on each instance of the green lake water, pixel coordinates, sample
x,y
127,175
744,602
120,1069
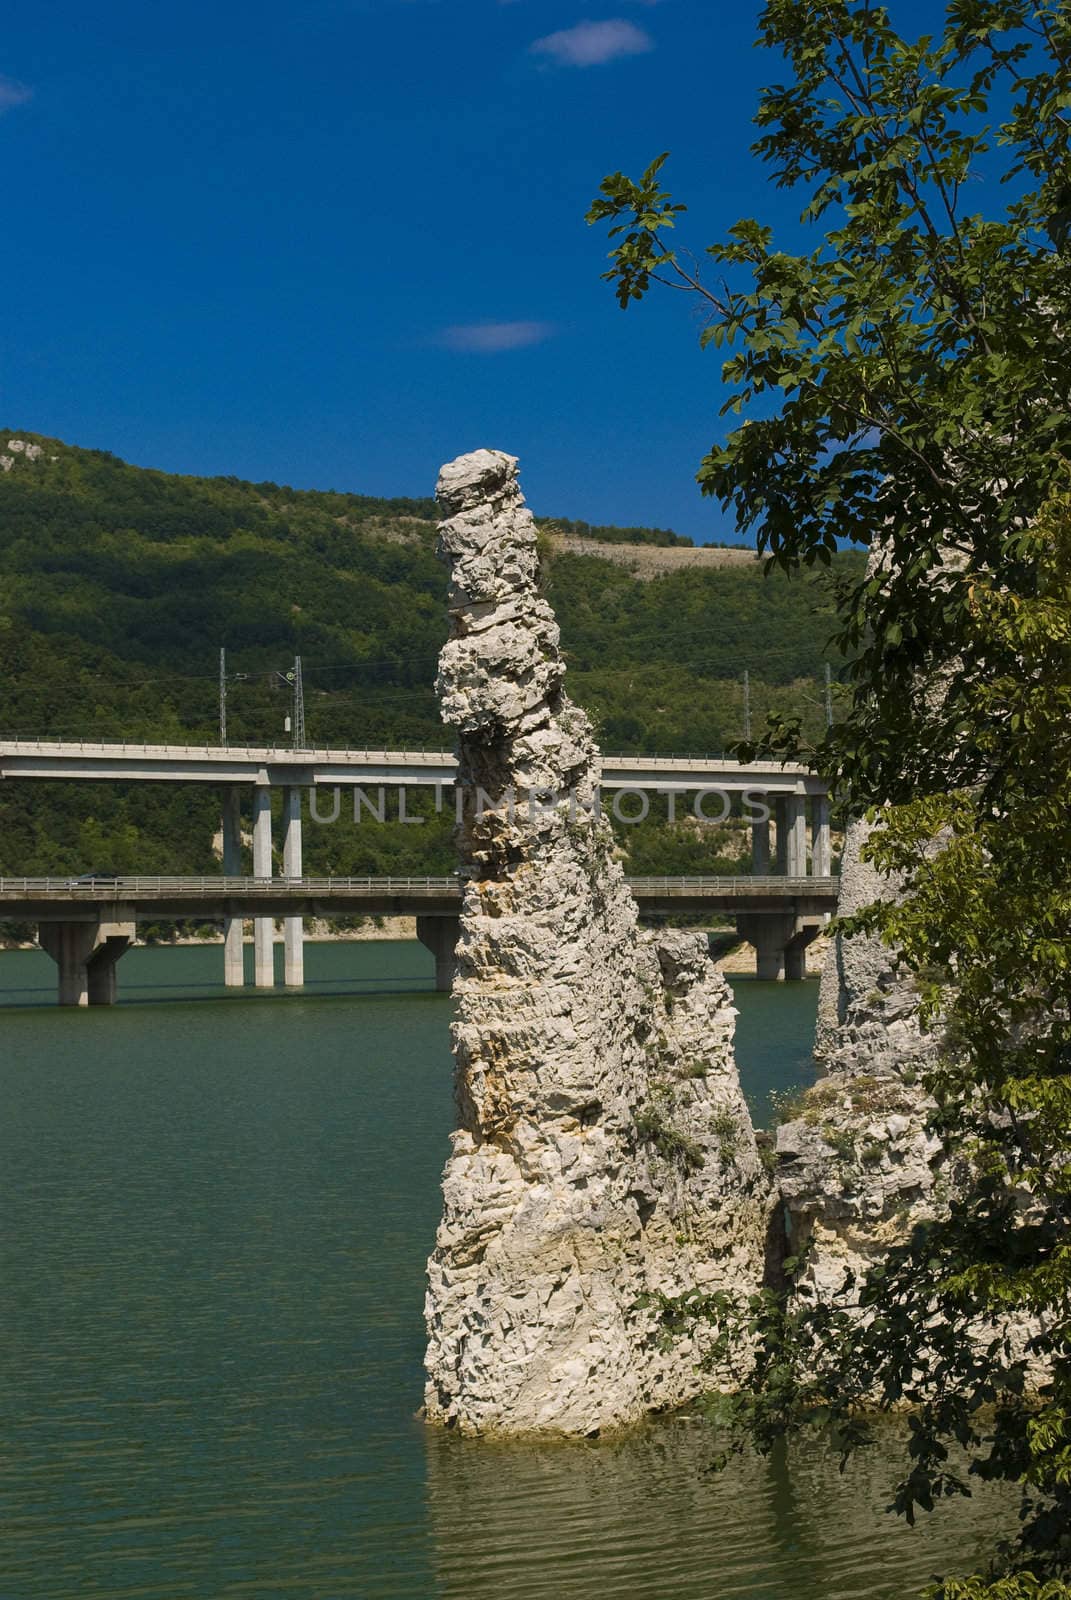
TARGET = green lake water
x,y
214,1215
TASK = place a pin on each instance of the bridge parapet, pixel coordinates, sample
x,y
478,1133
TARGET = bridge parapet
x,y
215,887
111,760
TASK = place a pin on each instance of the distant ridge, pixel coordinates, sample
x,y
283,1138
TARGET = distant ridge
x,y
647,561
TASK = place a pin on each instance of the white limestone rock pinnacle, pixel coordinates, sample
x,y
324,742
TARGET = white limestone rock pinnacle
x,y
604,1151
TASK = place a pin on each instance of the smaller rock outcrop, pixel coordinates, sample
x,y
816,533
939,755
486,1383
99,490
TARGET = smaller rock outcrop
x,y
867,1005
32,452
856,1165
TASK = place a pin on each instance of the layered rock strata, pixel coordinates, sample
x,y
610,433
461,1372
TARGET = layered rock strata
x,y
604,1151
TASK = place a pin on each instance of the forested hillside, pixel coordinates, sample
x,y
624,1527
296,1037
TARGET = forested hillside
x,y
664,537
119,585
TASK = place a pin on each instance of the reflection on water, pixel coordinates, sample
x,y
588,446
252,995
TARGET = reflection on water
x,y
645,1516
215,1216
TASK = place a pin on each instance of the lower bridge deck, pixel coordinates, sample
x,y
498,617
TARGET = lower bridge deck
x,y
214,897
87,923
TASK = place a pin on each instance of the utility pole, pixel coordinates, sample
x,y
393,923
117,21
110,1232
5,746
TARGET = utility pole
x,y
829,696
747,704
222,695
299,707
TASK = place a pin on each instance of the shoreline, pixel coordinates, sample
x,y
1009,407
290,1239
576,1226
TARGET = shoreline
x,y
316,932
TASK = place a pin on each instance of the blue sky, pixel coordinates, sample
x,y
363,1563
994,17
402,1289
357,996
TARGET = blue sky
x,y
335,243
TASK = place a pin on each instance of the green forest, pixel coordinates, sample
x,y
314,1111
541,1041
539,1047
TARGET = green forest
x,y
119,586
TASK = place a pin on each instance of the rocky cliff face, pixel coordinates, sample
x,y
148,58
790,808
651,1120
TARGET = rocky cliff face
x,y
867,1009
604,1150
856,1167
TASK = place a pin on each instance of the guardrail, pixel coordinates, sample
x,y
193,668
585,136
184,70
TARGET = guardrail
x,y
208,885
215,884
214,752
275,753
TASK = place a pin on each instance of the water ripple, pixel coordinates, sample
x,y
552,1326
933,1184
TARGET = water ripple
x,y
215,1224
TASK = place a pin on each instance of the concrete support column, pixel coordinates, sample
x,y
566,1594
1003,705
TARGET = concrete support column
x,y
795,961
769,935
796,954
263,959
440,936
760,848
781,831
778,944
293,927
792,835
114,940
70,945
233,963
85,954
821,850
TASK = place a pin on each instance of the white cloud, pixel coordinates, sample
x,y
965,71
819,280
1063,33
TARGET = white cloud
x,y
12,93
589,44
486,338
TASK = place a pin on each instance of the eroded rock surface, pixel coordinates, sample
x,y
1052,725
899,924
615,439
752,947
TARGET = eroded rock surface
x,y
604,1150
857,1167
867,1007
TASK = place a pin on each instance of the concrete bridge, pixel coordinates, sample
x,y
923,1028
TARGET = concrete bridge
x,y
796,798
87,924
263,766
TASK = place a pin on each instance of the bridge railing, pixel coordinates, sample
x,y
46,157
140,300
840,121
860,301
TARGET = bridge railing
x,y
216,884
213,885
737,885
16,744
214,752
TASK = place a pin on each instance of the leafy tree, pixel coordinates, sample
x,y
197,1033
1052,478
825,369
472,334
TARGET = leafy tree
x,y
906,378
905,383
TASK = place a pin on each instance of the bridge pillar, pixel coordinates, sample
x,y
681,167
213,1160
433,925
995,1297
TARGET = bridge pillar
x,y
263,957
781,834
86,954
115,939
780,944
233,960
440,936
293,927
796,952
821,851
760,848
769,934
791,819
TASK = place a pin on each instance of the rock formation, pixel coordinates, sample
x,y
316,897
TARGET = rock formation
x,y
604,1151
867,1008
857,1167
20,447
